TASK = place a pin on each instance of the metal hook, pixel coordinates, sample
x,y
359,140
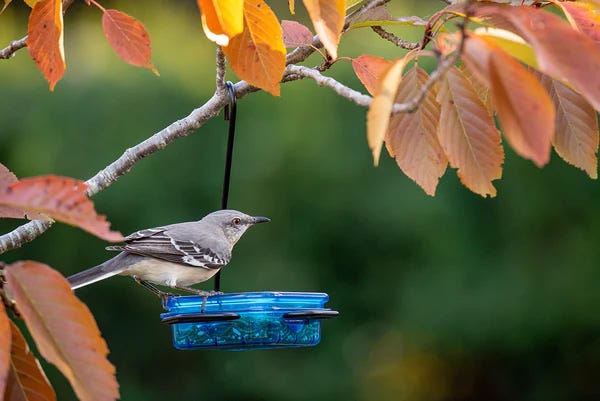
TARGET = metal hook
x,y
230,115
232,102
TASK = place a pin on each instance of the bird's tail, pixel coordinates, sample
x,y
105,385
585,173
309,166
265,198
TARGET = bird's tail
x,y
107,269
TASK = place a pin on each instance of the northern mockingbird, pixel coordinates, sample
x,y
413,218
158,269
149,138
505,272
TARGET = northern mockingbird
x,y
178,255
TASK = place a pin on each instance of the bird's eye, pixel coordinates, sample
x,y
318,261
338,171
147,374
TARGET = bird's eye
x,y
236,221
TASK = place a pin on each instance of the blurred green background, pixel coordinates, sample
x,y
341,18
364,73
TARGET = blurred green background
x,y
448,298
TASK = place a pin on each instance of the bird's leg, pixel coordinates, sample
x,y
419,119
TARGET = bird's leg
x,y
161,294
202,293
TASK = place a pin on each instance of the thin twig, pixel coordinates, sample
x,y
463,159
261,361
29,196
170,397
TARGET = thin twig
x,y
12,47
221,69
404,44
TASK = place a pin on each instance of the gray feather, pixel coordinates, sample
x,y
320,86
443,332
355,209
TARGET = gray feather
x,y
107,269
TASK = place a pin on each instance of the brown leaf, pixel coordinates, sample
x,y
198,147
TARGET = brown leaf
x,y
584,16
222,19
481,88
63,328
369,69
61,198
257,55
412,137
45,39
523,106
5,340
468,134
128,38
378,116
327,17
27,381
576,137
295,34
556,45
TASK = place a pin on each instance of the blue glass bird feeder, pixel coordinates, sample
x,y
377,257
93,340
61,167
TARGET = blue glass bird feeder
x,y
248,320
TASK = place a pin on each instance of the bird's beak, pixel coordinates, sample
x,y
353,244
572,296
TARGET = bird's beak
x,y
260,219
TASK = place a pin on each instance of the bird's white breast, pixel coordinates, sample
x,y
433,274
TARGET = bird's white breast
x,y
169,274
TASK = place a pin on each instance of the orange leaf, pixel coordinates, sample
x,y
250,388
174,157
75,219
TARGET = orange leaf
x,y
412,137
295,34
27,380
63,328
576,137
556,45
7,178
61,198
222,19
128,38
378,116
468,134
523,106
369,69
257,55
327,17
584,16
5,340
45,39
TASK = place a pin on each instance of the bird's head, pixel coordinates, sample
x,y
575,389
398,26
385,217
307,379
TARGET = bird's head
x,y
233,223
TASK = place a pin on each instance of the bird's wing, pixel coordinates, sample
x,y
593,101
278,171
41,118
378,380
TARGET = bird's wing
x,y
157,243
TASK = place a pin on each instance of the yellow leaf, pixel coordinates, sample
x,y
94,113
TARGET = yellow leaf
x,y
576,137
378,116
257,55
524,108
327,17
468,134
510,42
412,137
63,328
292,6
222,19
31,3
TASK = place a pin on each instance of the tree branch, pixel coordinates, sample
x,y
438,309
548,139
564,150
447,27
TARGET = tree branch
x,y
390,37
12,47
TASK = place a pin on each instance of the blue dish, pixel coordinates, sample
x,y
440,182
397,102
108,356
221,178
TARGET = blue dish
x,y
247,320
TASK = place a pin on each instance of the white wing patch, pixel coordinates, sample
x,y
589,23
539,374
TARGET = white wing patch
x,y
195,255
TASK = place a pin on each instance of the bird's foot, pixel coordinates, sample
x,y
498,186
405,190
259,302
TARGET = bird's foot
x,y
202,293
164,296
